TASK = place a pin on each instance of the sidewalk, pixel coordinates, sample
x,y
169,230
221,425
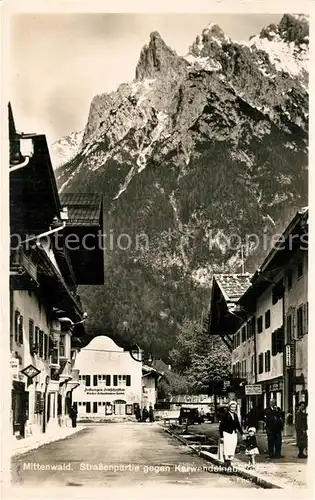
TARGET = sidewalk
x,y
21,446
286,472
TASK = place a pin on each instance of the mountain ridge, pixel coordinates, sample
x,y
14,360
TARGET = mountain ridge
x,y
224,132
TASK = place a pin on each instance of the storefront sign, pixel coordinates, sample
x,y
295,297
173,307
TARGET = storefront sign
x,y
253,390
30,371
14,365
99,391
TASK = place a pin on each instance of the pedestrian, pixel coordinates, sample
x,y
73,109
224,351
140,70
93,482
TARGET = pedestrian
x,y
229,425
273,418
138,413
301,428
145,414
251,448
151,414
73,413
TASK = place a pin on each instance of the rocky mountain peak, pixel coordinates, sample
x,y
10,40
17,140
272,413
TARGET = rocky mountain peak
x,y
158,59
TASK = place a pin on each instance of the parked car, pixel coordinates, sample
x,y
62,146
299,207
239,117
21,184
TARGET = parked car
x,y
191,416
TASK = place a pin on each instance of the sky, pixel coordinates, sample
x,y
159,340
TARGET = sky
x,y
59,62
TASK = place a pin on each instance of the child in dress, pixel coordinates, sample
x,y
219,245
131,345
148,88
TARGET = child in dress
x,y
251,449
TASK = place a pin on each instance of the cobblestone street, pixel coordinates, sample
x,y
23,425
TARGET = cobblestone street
x,y
144,454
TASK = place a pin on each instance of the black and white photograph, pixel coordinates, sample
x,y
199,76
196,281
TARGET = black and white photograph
x,y
157,200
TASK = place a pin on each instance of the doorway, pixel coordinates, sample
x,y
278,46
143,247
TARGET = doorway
x,y
19,408
120,407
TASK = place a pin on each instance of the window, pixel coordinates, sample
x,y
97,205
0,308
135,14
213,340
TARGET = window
x,y
54,353
238,336
299,322
290,278
88,407
16,326
267,319
36,335
100,377
107,379
62,347
87,380
289,329
243,334
260,324
277,341
94,406
267,361
95,380
115,380
300,268
41,344
244,368
20,335
45,346
31,332
261,363
99,403
128,380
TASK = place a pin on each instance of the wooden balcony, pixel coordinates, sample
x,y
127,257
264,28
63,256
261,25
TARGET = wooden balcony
x,y
23,271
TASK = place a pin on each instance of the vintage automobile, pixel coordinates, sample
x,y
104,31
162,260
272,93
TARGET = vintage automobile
x,y
190,416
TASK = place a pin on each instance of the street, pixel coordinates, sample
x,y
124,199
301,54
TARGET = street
x,y
143,454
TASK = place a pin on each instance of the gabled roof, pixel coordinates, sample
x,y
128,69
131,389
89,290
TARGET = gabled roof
x,y
233,286
84,209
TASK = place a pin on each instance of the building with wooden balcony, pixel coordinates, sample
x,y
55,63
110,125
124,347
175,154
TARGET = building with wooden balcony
x,y
47,318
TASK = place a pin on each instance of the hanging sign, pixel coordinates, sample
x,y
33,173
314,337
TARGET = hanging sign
x,y
30,371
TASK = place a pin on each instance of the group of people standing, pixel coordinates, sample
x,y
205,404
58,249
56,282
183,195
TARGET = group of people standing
x,y
145,414
273,417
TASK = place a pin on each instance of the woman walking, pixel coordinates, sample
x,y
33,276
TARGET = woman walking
x,y
301,429
228,428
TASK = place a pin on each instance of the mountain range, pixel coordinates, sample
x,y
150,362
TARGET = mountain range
x,y
193,155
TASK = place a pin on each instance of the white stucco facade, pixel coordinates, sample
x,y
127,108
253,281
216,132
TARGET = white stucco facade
x,y
110,381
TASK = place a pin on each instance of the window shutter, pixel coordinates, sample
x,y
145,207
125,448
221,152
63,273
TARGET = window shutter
x,y
294,324
21,330
304,319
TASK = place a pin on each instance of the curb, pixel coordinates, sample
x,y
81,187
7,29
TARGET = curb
x,y
249,476
36,446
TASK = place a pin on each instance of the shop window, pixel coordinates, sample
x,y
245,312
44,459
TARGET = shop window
x,y
260,324
300,268
95,380
299,322
261,363
267,319
290,278
88,380
94,406
88,407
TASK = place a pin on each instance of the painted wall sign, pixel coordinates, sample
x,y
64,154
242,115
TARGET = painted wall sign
x,y
113,391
